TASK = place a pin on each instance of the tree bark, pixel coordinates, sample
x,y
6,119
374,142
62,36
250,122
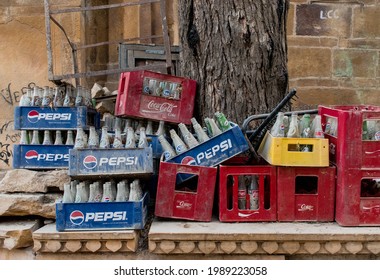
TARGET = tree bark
x,y
237,52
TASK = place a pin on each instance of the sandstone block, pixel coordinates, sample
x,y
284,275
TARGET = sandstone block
x,y
355,63
17,234
309,62
366,22
28,181
22,204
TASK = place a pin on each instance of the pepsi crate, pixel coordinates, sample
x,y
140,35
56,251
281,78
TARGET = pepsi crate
x,y
59,118
215,150
102,215
41,156
110,162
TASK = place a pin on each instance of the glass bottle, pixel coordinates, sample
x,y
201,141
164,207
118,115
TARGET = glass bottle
x,y
188,137
179,145
168,151
70,138
58,138
47,138
104,139
201,134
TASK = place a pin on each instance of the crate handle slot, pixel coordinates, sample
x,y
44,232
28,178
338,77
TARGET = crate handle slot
x,y
303,148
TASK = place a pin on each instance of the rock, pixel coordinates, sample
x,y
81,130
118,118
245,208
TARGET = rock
x,y
97,91
107,92
22,204
106,106
17,234
28,181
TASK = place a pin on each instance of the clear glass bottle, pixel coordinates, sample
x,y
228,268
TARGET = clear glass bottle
x,y
47,98
213,129
58,138
24,139
117,141
317,127
130,140
179,145
136,192
104,139
293,131
201,134
107,193
35,138
70,138
47,138
143,142
278,129
79,139
188,137
93,139
67,195
161,129
168,151
123,191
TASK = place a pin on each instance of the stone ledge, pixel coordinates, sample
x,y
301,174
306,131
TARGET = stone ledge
x,y
288,239
48,240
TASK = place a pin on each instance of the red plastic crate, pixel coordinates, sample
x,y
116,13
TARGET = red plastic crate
x,y
357,205
306,193
228,194
135,100
192,199
347,149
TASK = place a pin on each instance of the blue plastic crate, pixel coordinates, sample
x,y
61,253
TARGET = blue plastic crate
x,y
156,145
214,151
102,215
41,156
110,162
59,118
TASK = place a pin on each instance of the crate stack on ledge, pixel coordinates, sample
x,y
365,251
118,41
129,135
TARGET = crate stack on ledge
x,y
355,151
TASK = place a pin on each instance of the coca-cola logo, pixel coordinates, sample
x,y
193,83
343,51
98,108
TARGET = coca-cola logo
x,y
183,205
305,207
158,107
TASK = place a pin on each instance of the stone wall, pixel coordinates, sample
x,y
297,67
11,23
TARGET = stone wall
x,y
333,52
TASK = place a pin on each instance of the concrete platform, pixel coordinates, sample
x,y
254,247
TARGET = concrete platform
x,y
268,240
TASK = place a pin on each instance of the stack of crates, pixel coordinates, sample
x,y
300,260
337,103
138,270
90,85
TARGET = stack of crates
x,y
291,185
354,136
34,118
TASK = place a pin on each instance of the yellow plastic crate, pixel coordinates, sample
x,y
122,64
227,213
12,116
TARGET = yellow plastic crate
x,y
291,151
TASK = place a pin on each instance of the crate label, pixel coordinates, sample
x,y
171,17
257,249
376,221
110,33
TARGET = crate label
x,y
159,106
305,207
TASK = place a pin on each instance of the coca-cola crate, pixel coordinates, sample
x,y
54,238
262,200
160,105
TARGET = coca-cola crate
x,y
57,118
156,96
358,197
306,193
41,156
111,162
214,151
229,194
190,200
343,126
102,215
282,151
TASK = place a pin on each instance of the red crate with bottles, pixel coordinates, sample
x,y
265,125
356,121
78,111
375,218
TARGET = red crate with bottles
x,y
354,135
247,193
190,199
306,193
156,96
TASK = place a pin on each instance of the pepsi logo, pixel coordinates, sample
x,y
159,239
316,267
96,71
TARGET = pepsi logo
x,y
33,116
188,160
32,154
90,162
76,217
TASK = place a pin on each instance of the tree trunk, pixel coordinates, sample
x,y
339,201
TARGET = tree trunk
x,y
237,52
